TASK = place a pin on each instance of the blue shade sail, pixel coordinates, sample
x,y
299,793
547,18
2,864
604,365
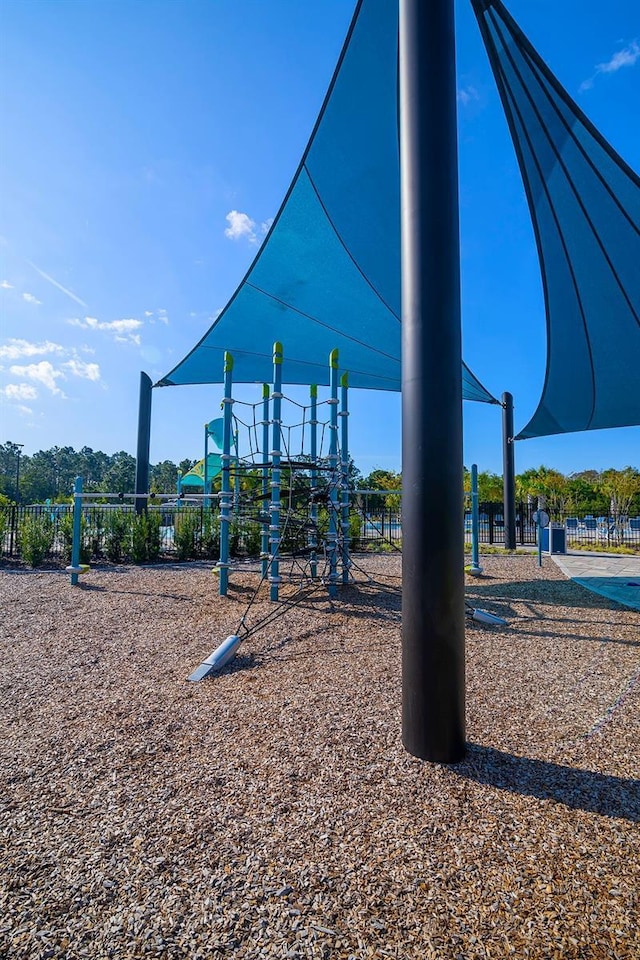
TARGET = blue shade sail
x,y
585,205
328,273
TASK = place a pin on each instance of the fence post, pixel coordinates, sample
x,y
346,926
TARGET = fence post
x,y
475,569
77,530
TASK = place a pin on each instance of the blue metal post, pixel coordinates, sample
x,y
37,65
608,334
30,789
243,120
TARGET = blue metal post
x,y
344,479
205,473
264,542
274,507
433,610
236,475
225,492
77,529
475,569
313,450
334,475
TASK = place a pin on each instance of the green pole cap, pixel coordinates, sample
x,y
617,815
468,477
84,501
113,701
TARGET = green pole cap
x,y
313,391
228,362
344,379
278,353
333,359
265,391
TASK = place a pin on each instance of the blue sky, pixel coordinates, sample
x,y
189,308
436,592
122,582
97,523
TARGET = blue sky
x,y
147,143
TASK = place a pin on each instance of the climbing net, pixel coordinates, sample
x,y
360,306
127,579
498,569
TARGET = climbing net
x,y
290,479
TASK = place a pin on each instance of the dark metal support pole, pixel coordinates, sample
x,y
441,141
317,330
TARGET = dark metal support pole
x,y
144,441
508,472
433,619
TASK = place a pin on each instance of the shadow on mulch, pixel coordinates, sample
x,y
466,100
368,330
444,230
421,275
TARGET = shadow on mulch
x,y
585,790
563,592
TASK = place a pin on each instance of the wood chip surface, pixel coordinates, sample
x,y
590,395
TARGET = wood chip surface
x,y
272,812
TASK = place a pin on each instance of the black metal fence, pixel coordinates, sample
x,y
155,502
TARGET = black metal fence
x,y
382,520
184,531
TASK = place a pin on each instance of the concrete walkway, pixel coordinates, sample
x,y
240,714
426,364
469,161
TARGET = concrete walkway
x,y
615,576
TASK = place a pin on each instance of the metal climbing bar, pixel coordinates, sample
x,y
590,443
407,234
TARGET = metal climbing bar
x,y
332,537
274,507
313,510
264,539
344,478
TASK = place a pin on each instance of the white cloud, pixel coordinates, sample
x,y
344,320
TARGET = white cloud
x,y
5,285
45,276
623,58
20,391
29,297
160,316
627,57
15,349
467,94
43,372
121,330
87,371
240,225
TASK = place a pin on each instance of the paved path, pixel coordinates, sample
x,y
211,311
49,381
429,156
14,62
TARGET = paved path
x,y
612,575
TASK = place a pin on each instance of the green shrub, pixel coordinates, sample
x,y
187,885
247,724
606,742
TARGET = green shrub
x,y
210,537
154,536
186,533
355,529
145,537
252,538
65,532
36,539
235,532
139,546
93,533
4,523
117,528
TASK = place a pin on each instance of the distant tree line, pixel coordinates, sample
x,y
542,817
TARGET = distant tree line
x,y
49,474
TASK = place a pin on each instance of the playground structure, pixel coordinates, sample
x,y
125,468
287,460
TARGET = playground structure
x,y
316,481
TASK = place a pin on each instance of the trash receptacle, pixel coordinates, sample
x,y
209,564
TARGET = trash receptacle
x,y
556,538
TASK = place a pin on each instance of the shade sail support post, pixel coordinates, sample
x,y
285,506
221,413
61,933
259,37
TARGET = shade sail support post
x,y
144,440
433,618
508,472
